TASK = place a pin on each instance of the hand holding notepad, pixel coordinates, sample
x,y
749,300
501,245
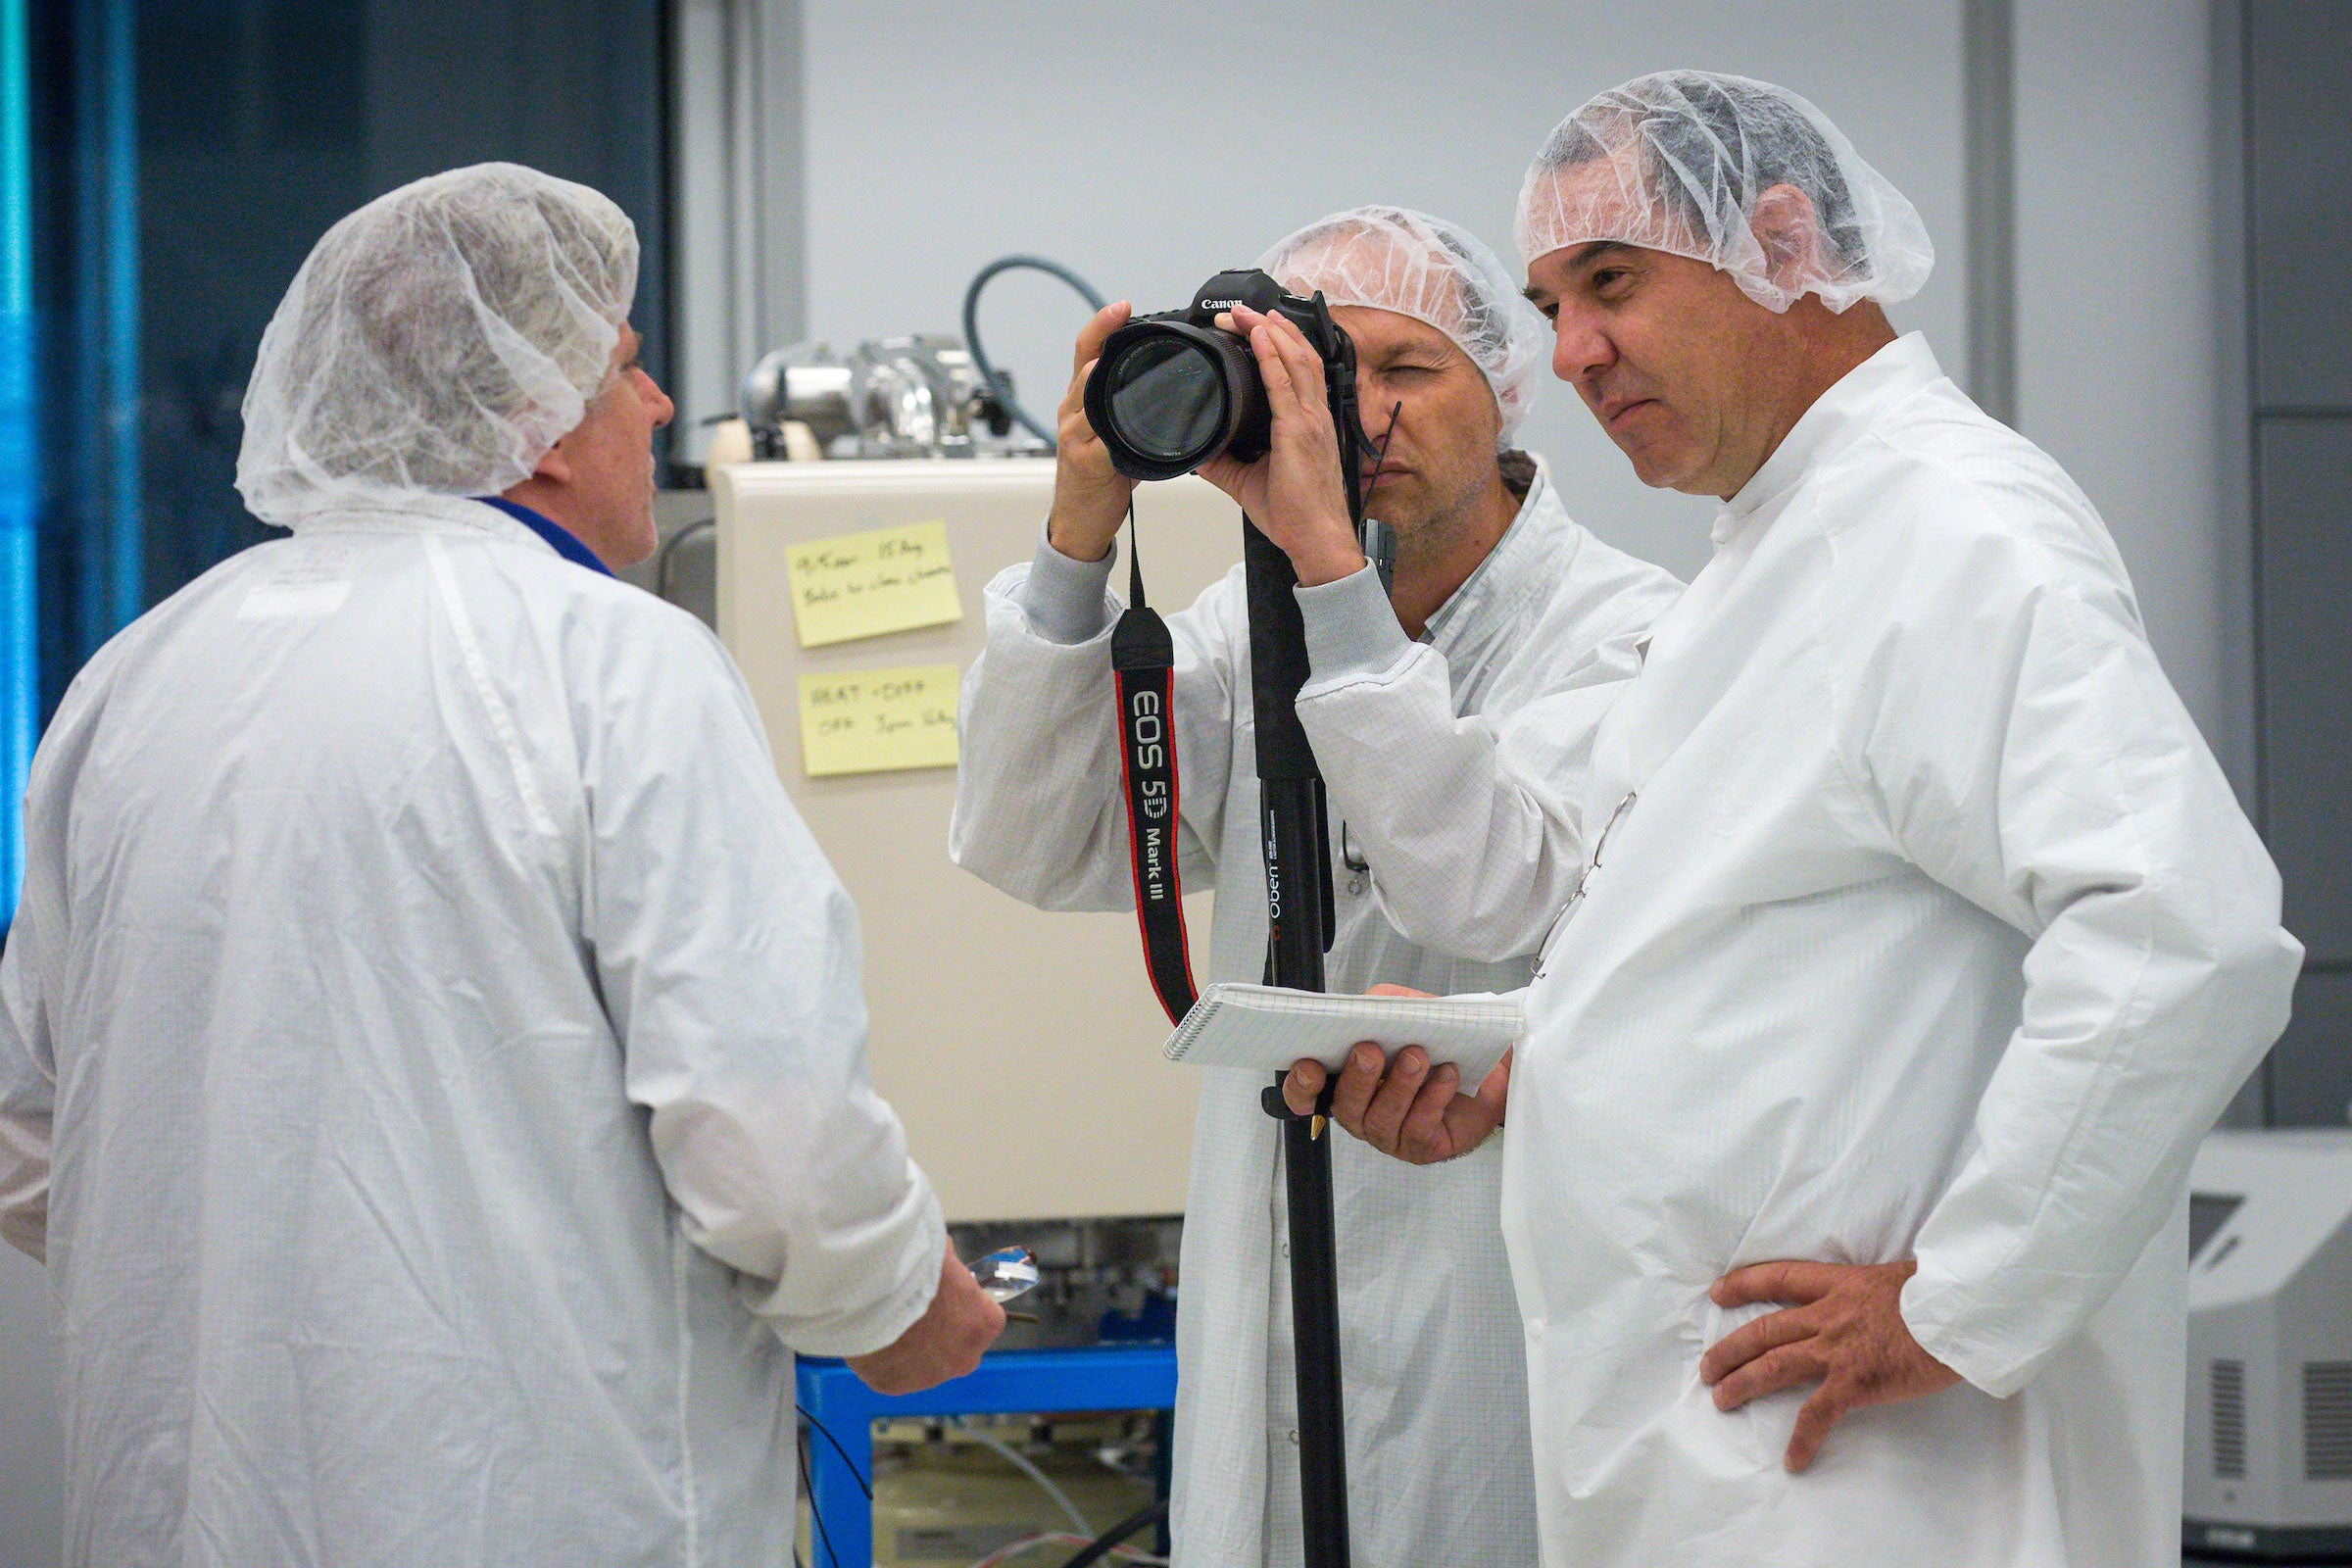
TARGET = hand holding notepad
x,y
1398,1102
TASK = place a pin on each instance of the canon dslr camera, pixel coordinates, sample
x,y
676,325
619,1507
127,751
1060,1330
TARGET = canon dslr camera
x,y
1172,391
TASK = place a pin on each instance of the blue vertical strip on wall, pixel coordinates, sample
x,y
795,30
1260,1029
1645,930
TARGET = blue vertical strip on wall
x,y
108,493
126,535
20,472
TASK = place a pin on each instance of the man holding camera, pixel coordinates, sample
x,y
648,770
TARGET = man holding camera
x,y
1921,942
1501,600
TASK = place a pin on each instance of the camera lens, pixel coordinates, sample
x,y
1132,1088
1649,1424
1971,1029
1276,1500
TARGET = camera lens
x,y
1168,398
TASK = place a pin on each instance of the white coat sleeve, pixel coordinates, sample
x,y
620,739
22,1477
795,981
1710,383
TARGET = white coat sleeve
x,y
728,952
2027,751
1469,824
1040,808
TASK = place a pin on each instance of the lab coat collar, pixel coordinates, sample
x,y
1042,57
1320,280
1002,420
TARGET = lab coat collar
x,y
447,514
1837,419
1513,571
561,540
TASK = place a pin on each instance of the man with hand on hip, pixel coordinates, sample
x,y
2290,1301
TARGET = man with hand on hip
x,y
1918,941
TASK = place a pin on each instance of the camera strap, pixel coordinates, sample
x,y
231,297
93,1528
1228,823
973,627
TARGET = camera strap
x,y
1142,662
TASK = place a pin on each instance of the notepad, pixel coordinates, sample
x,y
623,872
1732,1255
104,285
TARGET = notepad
x,y
873,583
878,720
1266,1028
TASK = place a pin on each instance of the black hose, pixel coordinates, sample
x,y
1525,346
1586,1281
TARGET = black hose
x,y
1101,1547
999,385
838,1448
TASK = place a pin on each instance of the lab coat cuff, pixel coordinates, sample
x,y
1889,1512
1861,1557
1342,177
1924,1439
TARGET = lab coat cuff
x,y
874,1325
1067,601
1935,1311
1351,629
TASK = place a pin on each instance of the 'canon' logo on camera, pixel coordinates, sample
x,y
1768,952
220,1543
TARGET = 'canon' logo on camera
x,y
1218,305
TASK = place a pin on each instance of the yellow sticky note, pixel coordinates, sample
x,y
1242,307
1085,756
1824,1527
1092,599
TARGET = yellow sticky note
x,y
878,720
865,584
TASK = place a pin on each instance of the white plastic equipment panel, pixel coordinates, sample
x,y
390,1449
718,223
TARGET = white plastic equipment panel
x,y
1020,1048
2268,1455
2291,1195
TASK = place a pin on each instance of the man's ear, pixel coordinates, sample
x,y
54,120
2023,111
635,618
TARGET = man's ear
x,y
1785,225
553,466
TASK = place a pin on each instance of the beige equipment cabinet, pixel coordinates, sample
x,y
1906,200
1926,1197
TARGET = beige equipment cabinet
x,y
1020,1048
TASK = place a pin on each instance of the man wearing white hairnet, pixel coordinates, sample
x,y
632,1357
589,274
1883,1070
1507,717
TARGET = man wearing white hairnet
x,y
1498,598
431,1052
1920,939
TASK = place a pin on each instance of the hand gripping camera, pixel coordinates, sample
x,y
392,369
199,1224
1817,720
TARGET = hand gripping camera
x,y
1172,391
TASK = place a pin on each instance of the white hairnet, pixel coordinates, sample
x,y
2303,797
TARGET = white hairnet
x,y
1676,161
1394,259
436,342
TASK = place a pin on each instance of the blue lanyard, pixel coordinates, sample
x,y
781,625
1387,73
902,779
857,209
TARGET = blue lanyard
x,y
561,540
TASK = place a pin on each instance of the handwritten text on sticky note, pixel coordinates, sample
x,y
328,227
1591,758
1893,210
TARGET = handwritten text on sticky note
x,y
865,584
876,720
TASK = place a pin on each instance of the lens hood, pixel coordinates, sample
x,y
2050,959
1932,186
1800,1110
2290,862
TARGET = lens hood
x,y
1168,394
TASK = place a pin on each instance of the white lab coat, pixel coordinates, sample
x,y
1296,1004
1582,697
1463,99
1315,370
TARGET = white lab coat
x,y
1435,1388
1932,930
452,1045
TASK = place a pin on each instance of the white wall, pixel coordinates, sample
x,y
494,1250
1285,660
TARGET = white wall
x,y
2120,367
1150,144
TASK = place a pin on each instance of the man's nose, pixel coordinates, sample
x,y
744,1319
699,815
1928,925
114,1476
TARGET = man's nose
x,y
1373,412
664,410
1579,348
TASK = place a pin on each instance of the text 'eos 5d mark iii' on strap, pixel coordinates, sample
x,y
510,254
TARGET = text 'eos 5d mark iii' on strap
x,y
1142,662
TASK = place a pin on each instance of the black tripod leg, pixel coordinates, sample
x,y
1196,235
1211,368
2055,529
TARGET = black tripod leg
x,y
1315,1333
1291,828
1298,855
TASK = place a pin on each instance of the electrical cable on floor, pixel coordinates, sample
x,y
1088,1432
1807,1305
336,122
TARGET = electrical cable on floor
x,y
1103,1545
1020,1462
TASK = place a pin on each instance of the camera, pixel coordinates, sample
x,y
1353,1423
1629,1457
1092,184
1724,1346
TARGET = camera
x,y
1172,391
